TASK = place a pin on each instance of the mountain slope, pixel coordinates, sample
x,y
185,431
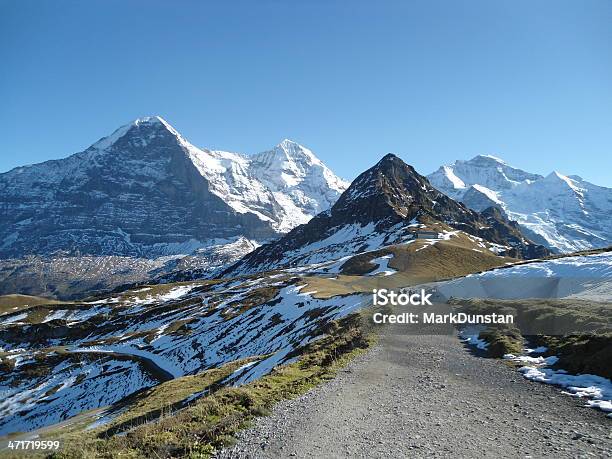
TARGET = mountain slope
x,y
59,360
146,191
285,186
148,196
134,193
566,213
385,205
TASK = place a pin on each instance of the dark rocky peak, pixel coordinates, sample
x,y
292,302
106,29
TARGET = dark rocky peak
x,y
389,188
382,202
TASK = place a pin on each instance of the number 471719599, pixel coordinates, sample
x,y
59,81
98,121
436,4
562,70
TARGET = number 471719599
x,y
33,444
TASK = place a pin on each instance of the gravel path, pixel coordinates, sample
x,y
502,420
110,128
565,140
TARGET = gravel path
x,y
427,396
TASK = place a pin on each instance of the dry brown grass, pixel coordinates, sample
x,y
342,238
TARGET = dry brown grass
x,y
416,263
16,302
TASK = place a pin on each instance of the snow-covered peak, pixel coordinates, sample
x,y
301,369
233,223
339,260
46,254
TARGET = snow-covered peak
x,y
287,185
566,212
485,170
445,178
292,148
150,120
562,182
289,164
486,159
141,131
148,163
298,180
556,177
292,154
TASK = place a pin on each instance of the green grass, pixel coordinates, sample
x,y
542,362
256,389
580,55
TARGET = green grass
x,y
503,340
582,353
446,259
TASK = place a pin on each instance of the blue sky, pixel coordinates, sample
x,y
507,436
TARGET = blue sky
x,y
431,81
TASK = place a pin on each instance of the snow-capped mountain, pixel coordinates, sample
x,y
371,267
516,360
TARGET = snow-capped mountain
x,y
145,191
384,206
285,186
566,213
147,195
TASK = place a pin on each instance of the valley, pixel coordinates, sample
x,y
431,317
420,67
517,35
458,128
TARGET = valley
x,y
254,285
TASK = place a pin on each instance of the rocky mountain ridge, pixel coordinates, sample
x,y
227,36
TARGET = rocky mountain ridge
x,y
386,204
143,203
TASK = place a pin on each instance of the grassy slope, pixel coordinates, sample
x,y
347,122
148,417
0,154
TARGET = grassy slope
x,y
209,423
578,331
195,431
416,263
15,302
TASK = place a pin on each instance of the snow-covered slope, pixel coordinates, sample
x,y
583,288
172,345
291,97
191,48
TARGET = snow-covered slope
x,y
57,361
146,192
286,186
586,277
298,181
565,212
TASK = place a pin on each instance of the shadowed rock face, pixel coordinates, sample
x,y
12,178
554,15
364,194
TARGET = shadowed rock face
x,y
477,200
121,198
389,194
144,203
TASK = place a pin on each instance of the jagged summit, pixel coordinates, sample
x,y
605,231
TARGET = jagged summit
x,y
289,144
563,211
154,119
485,170
287,151
556,176
139,132
389,184
389,162
145,190
155,122
389,157
376,210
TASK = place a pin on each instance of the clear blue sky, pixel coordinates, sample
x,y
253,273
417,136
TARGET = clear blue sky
x,y
433,81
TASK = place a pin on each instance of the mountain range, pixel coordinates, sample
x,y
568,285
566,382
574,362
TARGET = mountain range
x,y
270,249
145,191
143,203
388,204
60,357
565,213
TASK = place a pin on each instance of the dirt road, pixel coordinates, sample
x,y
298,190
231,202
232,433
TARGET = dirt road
x,y
427,396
